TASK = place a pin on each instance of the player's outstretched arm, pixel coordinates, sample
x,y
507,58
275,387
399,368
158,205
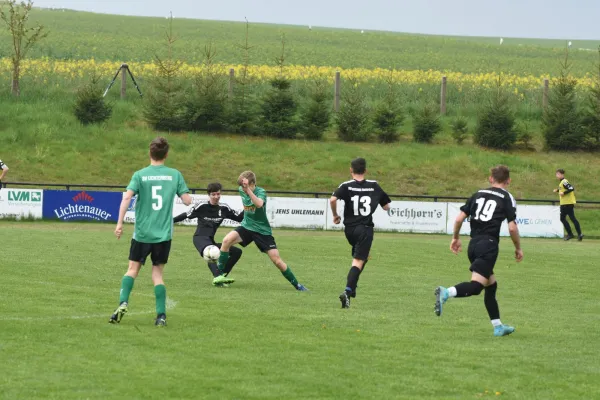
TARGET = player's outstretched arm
x,y
233,215
186,199
180,217
513,230
122,210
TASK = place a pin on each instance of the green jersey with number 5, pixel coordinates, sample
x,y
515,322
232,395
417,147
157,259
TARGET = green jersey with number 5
x,y
156,187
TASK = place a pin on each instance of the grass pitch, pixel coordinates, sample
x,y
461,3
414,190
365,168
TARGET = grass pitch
x,y
260,339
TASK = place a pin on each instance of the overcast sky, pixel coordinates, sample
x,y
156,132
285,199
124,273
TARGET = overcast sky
x,y
575,19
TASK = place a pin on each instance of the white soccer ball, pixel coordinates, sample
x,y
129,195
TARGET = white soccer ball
x,y
211,253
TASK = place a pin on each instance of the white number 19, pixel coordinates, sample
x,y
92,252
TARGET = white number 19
x,y
485,210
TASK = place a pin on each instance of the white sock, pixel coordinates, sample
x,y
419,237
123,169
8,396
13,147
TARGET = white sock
x,y
452,291
496,322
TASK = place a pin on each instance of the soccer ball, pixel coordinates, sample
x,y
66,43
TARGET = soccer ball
x,y
211,253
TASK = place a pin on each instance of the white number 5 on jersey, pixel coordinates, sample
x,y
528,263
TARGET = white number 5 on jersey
x,y
156,197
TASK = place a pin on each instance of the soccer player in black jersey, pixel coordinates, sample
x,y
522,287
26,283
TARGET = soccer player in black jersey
x,y
210,216
361,198
487,208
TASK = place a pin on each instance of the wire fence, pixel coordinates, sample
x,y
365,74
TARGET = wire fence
x,y
434,198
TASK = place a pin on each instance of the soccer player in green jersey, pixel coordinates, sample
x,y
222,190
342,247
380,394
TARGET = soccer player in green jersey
x,y
255,228
156,187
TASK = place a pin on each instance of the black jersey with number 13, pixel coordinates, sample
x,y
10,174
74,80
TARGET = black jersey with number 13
x,y
360,201
488,208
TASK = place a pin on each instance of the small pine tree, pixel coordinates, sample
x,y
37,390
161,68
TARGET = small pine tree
x,y
164,109
90,107
427,124
241,111
562,123
591,119
524,135
352,119
279,107
317,114
496,122
388,116
460,129
206,104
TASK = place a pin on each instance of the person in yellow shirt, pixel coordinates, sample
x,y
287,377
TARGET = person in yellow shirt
x,y
566,191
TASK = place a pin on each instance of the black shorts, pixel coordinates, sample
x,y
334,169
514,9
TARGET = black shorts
x,y
263,242
360,238
202,242
159,252
483,253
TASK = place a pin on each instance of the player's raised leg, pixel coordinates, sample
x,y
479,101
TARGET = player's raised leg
x,y
464,289
286,271
230,239
234,256
126,286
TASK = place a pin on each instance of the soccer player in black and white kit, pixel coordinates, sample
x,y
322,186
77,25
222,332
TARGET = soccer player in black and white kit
x,y
361,198
210,217
488,208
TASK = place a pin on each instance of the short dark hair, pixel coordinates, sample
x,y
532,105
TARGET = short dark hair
x,y
560,171
159,148
359,166
500,173
214,187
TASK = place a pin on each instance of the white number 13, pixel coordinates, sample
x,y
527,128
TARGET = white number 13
x,y
156,197
366,205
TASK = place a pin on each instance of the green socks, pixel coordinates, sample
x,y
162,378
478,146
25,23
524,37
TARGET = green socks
x,y
223,258
159,291
161,299
126,286
289,275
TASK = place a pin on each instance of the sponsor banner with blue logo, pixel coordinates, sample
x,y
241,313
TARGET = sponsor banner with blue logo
x,y
73,205
533,221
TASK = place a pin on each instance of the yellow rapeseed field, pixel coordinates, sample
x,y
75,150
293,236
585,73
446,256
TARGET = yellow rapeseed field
x,y
44,68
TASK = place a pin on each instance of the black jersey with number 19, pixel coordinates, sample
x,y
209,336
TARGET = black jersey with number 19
x,y
360,201
488,208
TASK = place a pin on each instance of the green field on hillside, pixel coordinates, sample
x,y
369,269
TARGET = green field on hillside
x,y
43,142
260,339
82,35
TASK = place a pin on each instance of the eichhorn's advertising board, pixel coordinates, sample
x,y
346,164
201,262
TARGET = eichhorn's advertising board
x,y
21,203
404,216
282,212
